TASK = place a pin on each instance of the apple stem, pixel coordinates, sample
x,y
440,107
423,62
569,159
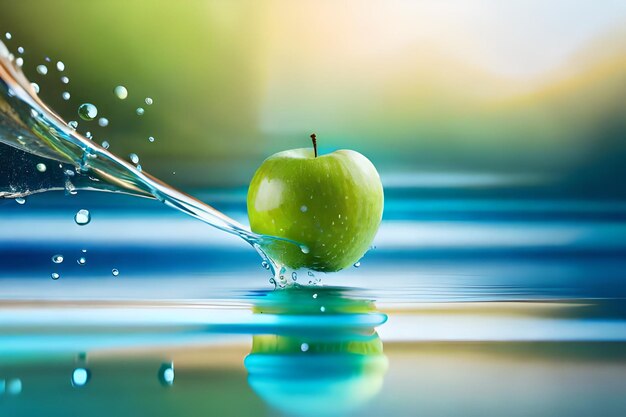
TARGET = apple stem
x,y
314,139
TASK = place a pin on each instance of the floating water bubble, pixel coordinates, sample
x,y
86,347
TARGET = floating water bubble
x,y
304,209
41,167
55,276
133,158
80,377
304,347
73,124
42,69
105,144
19,62
121,92
66,95
20,49
35,87
14,386
148,101
65,80
265,265
115,272
20,200
140,111
57,259
103,121
166,374
8,35
81,261
151,138
60,66
87,111
294,276
357,264
82,217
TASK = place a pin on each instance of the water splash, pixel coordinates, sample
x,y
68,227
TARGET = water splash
x,y
37,133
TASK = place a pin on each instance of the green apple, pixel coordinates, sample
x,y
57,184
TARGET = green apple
x,y
332,204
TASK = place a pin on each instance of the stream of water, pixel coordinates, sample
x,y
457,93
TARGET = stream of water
x,y
73,162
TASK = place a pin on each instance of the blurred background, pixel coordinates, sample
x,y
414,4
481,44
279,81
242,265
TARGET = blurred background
x,y
464,96
499,131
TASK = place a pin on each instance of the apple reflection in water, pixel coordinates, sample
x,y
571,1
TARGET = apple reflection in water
x,y
309,370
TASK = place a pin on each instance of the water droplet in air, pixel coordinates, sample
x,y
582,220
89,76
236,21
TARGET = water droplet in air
x,y
57,259
149,101
83,250
73,124
115,272
19,62
81,261
304,347
166,374
265,265
322,309
304,249
139,167
103,121
35,87
66,95
48,59
121,92
13,386
357,264
20,200
20,49
105,144
65,80
42,69
55,276
8,35
294,276
88,135
87,111
80,377
133,158
304,209
315,295
60,66
139,111
151,138
82,217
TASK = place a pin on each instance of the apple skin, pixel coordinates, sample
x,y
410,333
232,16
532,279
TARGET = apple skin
x,y
333,204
